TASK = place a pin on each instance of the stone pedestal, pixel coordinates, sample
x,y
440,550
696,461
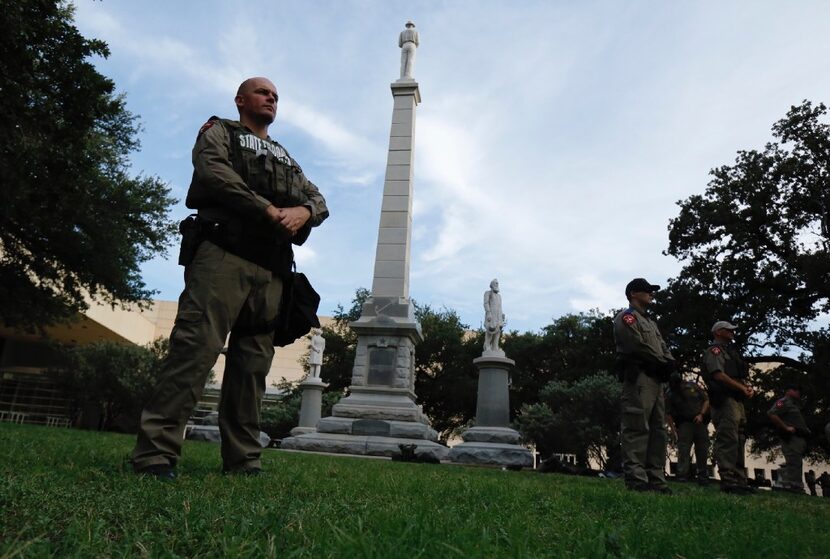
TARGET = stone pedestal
x,y
492,441
380,412
311,405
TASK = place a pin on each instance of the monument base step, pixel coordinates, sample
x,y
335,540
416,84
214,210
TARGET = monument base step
x,y
364,445
302,431
376,428
497,454
503,435
380,403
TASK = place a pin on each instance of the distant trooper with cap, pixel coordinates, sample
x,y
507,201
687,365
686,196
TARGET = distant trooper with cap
x,y
687,413
725,373
785,415
644,364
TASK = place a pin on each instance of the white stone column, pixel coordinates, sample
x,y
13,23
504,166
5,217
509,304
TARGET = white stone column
x,y
391,275
311,405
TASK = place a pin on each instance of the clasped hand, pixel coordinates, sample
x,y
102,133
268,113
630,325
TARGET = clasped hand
x,y
291,219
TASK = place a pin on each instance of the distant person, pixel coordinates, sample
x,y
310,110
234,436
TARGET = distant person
x,y
824,482
645,363
253,203
687,413
726,375
785,415
810,480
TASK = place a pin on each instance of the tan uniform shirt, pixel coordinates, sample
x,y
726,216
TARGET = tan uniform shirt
x,y
789,412
216,183
686,402
724,359
638,336
714,360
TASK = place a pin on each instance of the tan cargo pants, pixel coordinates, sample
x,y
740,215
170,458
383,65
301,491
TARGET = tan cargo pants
x,y
730,421
793,450
643,434
223,293
690,433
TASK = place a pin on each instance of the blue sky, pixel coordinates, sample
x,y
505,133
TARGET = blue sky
x,y
553,138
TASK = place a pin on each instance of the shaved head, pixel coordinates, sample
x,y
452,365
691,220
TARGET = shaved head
x,y
256,100
251,83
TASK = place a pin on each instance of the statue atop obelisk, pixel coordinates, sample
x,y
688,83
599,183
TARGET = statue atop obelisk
x,y
380,412
408,41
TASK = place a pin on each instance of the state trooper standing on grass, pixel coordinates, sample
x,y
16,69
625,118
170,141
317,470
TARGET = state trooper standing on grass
x,y
726,374
254,202
644,363
687,413
785,414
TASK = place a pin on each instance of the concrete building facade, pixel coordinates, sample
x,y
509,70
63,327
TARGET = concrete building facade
x,y
27,395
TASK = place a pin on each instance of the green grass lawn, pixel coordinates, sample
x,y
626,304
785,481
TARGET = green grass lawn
x,y
68,493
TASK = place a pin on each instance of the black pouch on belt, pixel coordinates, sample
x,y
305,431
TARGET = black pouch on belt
x,y
192,237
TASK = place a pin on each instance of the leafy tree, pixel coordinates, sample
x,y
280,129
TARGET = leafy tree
x,y
572,347
580,417
755,248
73,222
446,380
341,343
115,378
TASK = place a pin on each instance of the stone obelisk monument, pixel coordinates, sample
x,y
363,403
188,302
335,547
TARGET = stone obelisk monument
x,y
380,412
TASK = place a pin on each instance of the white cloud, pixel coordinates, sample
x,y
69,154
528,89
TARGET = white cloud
x,y
596,294
304,256
552,141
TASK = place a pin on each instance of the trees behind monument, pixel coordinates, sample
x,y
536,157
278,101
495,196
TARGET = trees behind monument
x,y
570,348
72,221
755,249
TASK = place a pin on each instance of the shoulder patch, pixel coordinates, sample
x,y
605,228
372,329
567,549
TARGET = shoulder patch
x,y
629,319
206,126
779,403
716,350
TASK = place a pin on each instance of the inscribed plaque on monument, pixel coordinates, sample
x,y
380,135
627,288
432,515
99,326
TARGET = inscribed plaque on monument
x,y
382,365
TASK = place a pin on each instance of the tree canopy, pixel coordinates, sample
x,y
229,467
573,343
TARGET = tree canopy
x,y
580,417
73,220
110,379
755,251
